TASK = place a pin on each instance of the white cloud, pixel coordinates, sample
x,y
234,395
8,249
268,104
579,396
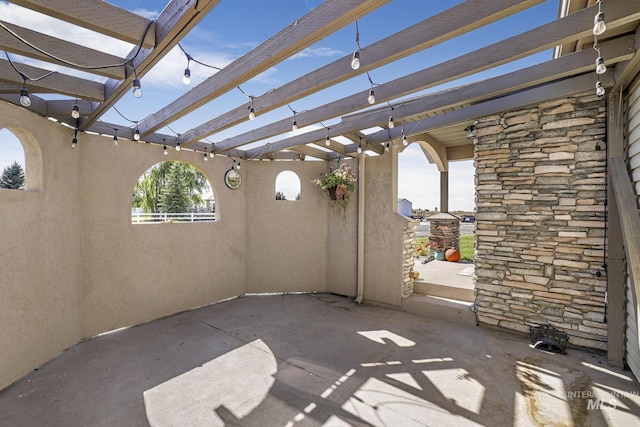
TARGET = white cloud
x,y
317,52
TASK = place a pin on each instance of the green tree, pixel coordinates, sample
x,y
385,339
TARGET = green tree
x,y
147,192
12,177
174,195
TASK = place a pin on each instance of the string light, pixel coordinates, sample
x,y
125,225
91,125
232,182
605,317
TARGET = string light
x,y
371,99
600,67
75,111
164,142
355,59
252,111
178,145
238,166
391,122
115,136
186,77
359,148
137,88
74,142
211,153
405,142
136,134
599,26
204,156
25,101
599,88
387,147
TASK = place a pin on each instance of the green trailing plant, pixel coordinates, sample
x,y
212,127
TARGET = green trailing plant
x,y
339,183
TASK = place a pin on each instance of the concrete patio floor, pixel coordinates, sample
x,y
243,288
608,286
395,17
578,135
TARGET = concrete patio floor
x,y
317,360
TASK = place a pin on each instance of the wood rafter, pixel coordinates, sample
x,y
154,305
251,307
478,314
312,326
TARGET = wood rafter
x,y
98,16
620,50
459,19
176,20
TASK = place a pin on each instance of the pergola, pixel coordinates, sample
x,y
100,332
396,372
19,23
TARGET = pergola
x,y
438,120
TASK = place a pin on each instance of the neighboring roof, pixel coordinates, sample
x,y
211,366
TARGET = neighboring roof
x,y
439,117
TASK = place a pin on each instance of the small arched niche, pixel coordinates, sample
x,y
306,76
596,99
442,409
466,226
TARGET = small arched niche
x,y
288,186
172,191
20,152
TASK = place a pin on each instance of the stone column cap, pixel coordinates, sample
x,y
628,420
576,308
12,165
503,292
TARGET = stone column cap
x,y
443,216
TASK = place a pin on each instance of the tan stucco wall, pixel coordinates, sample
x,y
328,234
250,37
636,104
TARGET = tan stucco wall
x,y
40,259
73,265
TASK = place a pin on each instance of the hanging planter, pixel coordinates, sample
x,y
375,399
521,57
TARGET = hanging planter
x,y
339,183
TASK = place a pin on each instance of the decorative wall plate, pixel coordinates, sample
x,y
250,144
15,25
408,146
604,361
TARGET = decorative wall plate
x,y
233,179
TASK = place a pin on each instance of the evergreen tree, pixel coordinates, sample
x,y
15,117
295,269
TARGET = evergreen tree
x,y
147,193
12,177
174,196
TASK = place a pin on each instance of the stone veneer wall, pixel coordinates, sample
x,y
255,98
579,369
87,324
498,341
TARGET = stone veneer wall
x,y
540,186
408,249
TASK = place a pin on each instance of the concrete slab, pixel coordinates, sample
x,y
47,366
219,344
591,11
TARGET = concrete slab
x,y
317,360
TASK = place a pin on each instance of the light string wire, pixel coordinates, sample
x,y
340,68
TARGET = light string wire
x,y
74,65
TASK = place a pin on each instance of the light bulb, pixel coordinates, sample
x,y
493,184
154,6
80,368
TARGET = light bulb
x,y
252,113
600,67
599,26
355,61
211,153
206,159
386,148
136,135
599,89
238,166
359,149
137,91
115,139
74,143
178,146
391,123
372,98
165,150
186,79
75,112
24,98
327,141
294,127
404,141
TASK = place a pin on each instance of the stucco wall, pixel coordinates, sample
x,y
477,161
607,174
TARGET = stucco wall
x,y
540,222
40,259
73,265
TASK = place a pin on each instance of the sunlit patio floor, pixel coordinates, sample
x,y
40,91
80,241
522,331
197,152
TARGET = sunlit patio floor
x,y
318,360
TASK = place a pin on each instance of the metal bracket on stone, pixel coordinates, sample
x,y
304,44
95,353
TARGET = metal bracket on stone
x,y
549,339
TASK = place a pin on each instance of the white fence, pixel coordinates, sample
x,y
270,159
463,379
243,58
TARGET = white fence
x,y
147,218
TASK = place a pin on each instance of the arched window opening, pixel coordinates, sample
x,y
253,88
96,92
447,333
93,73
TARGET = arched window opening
x,y
172,191
288,186
12,162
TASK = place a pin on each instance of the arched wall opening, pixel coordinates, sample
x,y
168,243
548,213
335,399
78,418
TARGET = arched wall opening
x,y
173,191
288,186
19,145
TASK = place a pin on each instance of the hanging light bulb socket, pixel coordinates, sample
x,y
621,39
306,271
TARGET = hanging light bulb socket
x,y
178,145
75,112
405,142
294,126
601,68
599,26
25,101
327,141
204,156
115,137
186,78
74,141
359,148
136,134
391,122
252,113
371,99
355,60
137,88
166,152
599,89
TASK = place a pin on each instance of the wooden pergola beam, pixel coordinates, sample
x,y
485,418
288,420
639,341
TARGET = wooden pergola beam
x,y
98,16
55,83
618,49
517,100
71,52
176,20
315,25
453,22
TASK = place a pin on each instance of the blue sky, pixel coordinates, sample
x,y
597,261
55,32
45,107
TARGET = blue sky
x,y
234,27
